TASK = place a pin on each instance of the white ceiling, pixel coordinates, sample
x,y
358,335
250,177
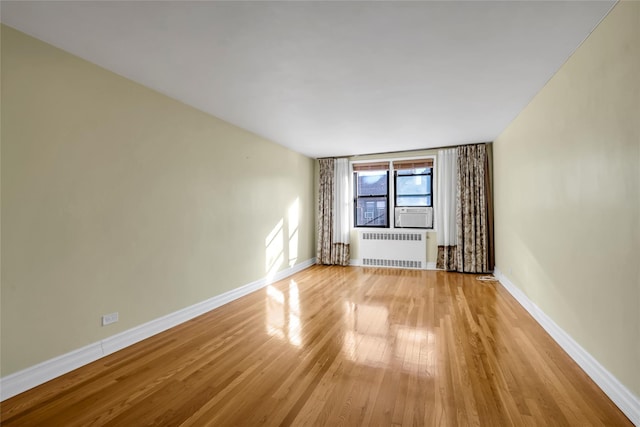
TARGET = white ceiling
x,y
330,78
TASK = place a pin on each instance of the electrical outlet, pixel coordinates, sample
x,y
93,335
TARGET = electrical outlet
x,y
107,319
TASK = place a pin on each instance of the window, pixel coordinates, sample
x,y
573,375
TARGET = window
x,y
371,194
413,183
409,199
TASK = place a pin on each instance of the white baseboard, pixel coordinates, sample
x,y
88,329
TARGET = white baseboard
x,y
628,402
33,376
431,266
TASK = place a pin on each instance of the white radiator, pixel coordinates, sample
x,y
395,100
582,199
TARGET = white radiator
x,y
399,249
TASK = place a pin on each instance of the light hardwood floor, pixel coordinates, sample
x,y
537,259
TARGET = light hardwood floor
x,y
336,346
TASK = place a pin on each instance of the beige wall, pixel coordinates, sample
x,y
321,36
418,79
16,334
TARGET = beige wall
x,y
117,198
567,199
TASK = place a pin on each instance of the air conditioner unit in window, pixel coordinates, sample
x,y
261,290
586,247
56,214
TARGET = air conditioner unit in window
x,y
419,217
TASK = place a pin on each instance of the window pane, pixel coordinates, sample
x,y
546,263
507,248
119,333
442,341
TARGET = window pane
x,y
372,183
407,185
414,201
371,211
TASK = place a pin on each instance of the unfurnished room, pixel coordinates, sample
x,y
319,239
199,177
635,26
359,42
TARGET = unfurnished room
x,y
320,213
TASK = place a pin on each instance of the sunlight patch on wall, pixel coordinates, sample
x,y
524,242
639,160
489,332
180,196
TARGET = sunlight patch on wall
x,y
274,255
293,216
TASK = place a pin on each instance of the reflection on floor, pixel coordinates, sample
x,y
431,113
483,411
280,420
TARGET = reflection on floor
x,y
335,346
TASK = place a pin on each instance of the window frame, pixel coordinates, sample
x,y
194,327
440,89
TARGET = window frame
x,y
357,197
392,164
428,195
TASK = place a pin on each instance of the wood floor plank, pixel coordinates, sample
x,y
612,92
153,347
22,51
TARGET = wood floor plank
x,y
335,346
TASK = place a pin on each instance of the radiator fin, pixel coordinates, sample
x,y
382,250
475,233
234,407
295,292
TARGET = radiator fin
x,y
392,236
399,263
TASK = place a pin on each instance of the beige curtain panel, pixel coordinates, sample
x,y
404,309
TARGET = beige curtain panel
x,y
325,209
474,249
333,222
